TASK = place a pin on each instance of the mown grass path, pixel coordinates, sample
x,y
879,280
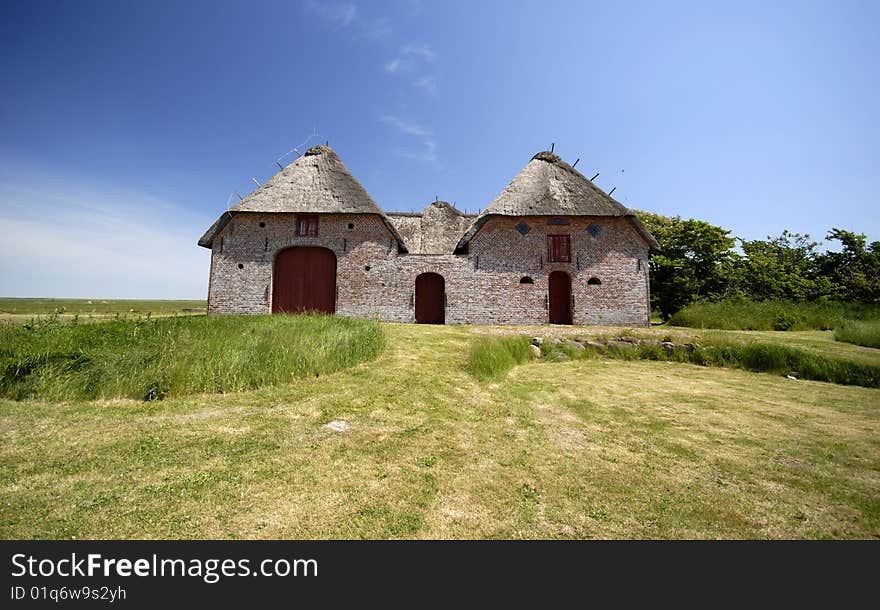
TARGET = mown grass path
x,y
593,448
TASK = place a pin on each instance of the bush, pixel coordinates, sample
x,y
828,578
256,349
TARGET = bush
x,y
491,358
859,333
154,359
772,315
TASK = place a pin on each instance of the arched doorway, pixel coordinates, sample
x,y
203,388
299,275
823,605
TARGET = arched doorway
x,y
560,298
304,279
430,299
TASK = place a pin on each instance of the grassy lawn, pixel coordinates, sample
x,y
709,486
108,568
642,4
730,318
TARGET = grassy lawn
x,y
590,448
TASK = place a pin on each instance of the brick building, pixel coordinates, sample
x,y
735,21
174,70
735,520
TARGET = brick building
x,y
551,248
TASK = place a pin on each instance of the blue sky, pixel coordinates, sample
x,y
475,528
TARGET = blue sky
x,y
127,125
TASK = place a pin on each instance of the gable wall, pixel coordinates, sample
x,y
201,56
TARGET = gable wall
x,y
501,256
249,290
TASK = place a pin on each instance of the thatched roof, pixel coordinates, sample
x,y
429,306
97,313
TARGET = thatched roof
x,y
548,186
434,230
317,182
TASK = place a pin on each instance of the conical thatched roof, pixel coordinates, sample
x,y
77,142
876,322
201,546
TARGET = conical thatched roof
x,y
548,186
317,182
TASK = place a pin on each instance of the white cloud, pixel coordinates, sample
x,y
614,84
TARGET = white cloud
x,y
375,29
425,136
406,127
423,50
337,14
412,58
427,155
427,84
68,239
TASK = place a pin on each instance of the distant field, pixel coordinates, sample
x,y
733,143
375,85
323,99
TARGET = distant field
x,y
18,309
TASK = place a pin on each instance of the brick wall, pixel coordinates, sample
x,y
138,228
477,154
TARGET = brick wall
x,y
243,242
482,287
617,257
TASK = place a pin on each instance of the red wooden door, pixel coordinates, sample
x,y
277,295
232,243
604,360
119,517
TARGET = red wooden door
x,y
430,299
304,280
560,298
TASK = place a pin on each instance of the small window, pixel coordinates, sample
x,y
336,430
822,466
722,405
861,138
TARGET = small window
x,y
526,280
558,249
366,267
594,281
307,225
240,266
350,226
594,230
262,224
522,228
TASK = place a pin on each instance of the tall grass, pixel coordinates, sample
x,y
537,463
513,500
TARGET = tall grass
x,y
859,333
772,315
154,358
491,358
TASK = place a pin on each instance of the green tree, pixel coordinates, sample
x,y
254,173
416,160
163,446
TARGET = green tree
x,y
696,261
855,270
784,267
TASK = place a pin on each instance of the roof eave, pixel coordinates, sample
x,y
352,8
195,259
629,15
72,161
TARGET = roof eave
x,y
207,240
643,232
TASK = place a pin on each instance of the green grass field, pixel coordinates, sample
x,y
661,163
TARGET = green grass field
x,y
420,448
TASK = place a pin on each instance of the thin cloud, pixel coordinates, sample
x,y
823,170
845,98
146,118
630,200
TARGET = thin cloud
x,y
406,127
410,57
424,135
427,84
65,238
337,15
428,155
415,58
375,29
423,51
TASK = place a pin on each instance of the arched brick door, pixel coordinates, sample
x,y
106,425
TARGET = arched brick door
x,y
560,298
430,299
304,279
